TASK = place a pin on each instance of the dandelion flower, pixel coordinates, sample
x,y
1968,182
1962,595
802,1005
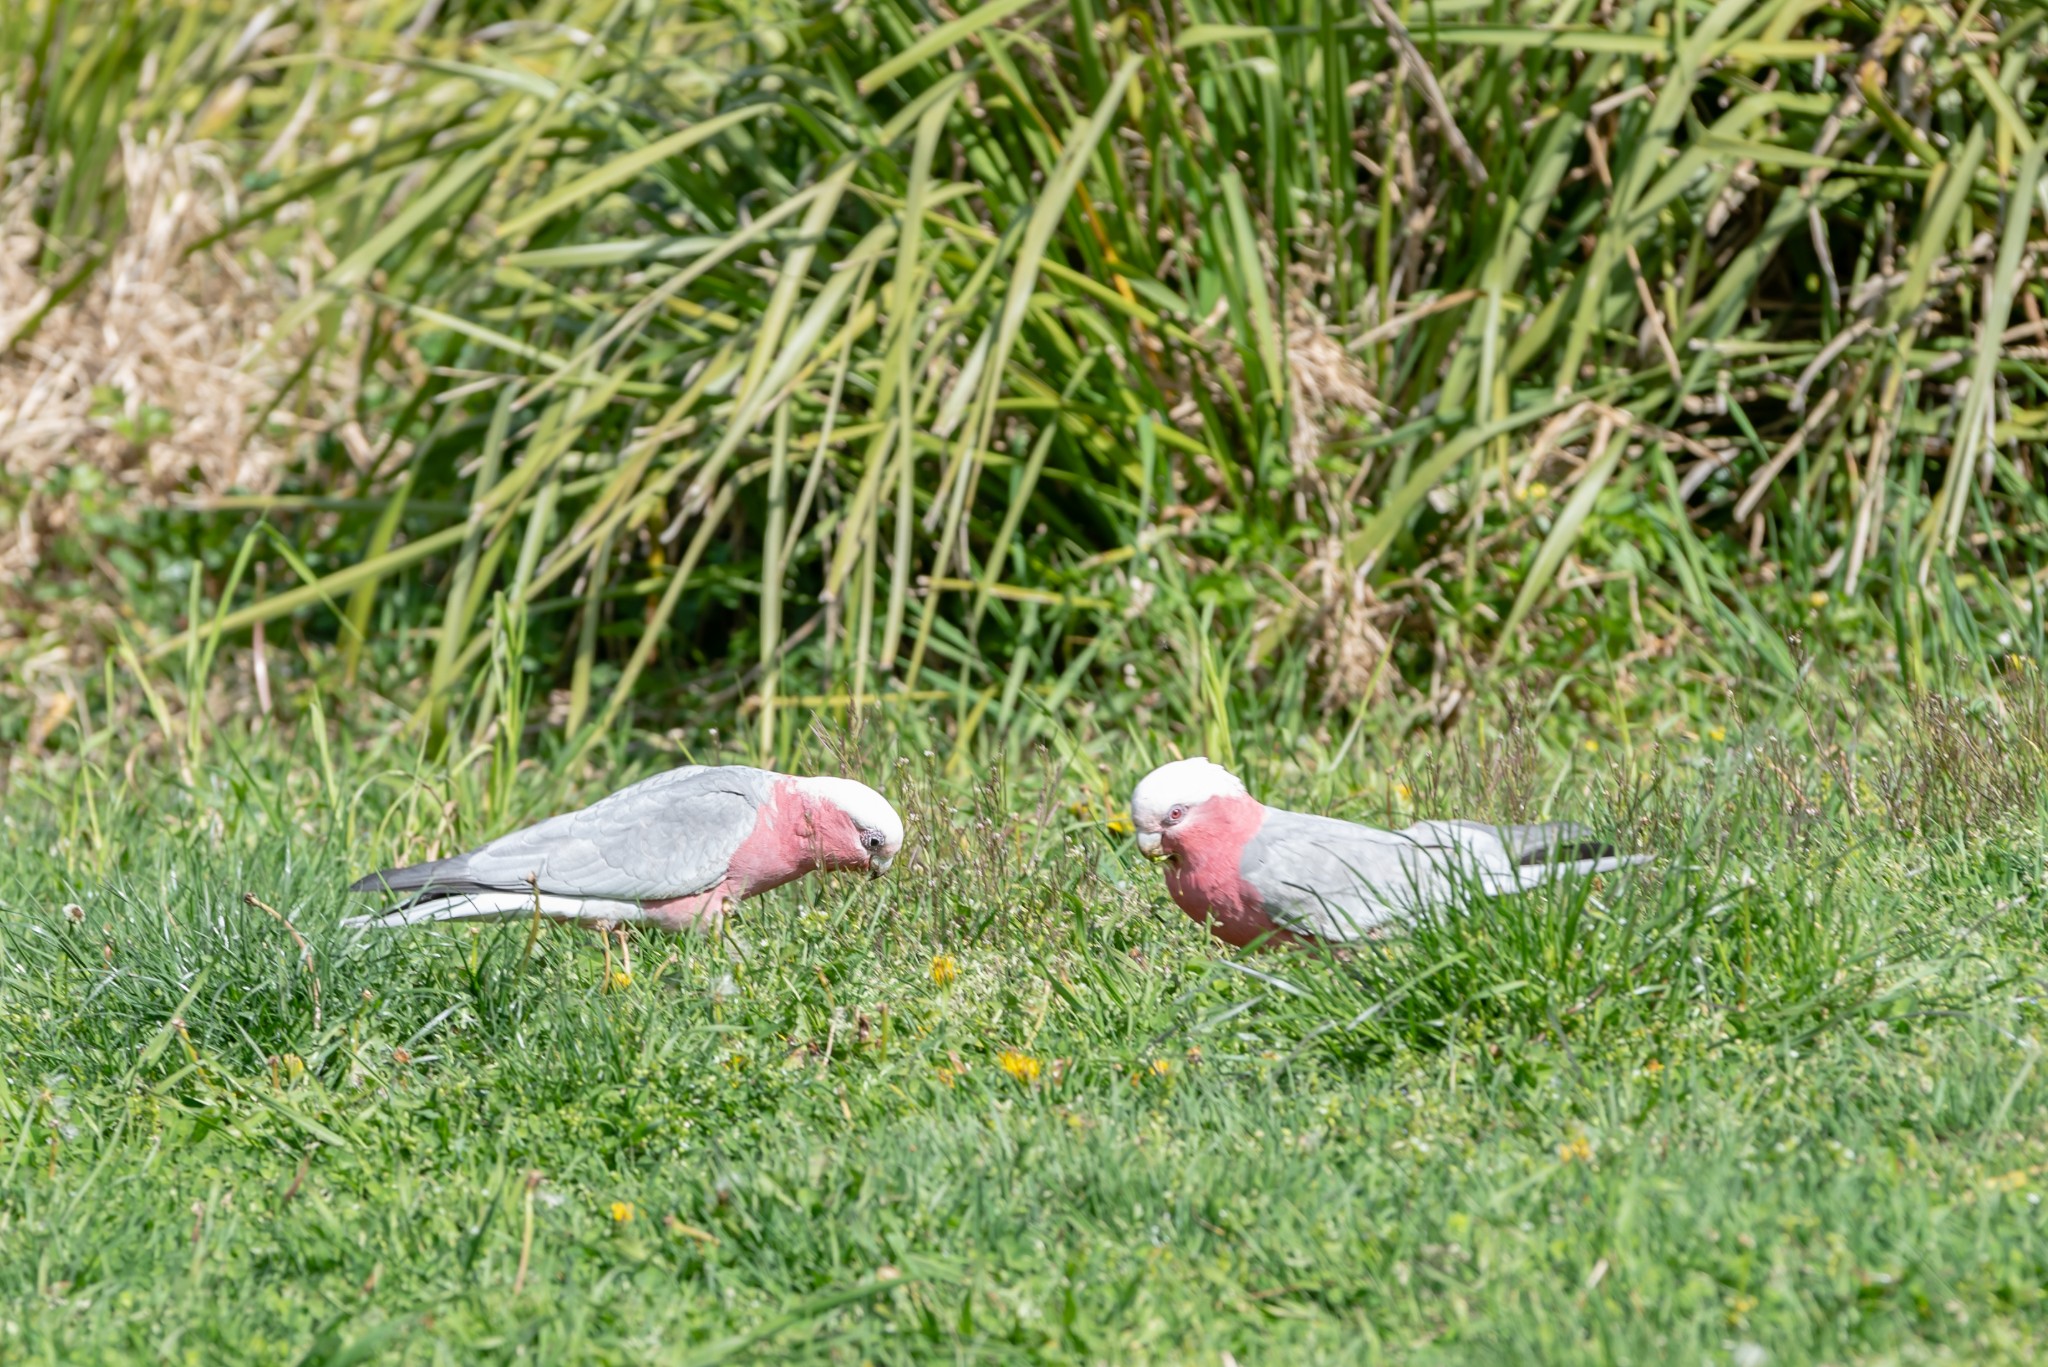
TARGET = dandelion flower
x,y
1120,825
1162,1067
944,970
622,1212
1578,1149
1716,734
1589,745
1020,1066
1818,598
620,980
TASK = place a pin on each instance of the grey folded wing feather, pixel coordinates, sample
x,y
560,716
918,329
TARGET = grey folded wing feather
x,y
1543,842
1338,880
673,835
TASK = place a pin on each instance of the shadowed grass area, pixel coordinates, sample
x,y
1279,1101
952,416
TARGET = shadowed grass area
x,y
755,353
1778,1090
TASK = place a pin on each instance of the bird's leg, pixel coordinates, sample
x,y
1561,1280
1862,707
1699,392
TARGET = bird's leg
x,y
626,953
604,935
735,948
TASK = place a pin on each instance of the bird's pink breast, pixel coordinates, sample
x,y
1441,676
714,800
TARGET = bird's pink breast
x,y
683,913
780,849
1203,877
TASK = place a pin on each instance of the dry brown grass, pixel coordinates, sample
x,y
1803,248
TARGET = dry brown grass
x,y
157,372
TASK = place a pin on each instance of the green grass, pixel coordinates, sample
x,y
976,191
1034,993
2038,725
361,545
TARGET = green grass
x,y
1778,1091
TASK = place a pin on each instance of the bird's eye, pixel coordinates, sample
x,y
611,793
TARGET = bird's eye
x,y
1176,813
872,840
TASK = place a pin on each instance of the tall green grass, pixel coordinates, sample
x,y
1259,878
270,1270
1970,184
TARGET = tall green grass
x,y
833,353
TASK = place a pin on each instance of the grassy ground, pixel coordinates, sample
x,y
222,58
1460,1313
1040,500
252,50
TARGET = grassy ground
x,y
1774,1100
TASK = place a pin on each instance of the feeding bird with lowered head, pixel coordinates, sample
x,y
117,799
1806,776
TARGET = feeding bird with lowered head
x,y
1254,872
668,852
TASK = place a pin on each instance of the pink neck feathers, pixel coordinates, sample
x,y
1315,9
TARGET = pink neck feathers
x,y
1203,877
794,834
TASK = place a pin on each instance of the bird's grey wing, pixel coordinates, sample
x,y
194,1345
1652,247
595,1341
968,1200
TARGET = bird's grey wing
x,y
1499,861
672,835
1335,879
1469,846
1541,842
1512,859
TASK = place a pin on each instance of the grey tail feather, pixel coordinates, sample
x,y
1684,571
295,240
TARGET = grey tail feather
x,y
434,873
433,906
1527,877
1553,841
498,905
1550,842
1604,864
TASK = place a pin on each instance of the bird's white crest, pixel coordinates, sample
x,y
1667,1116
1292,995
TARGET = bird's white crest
x,y
869,809
1182,783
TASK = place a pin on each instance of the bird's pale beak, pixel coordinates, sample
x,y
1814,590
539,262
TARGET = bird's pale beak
x,y
1152,844
879,865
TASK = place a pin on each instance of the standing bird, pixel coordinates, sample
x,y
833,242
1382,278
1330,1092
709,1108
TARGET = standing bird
x,y
669,852
1253,871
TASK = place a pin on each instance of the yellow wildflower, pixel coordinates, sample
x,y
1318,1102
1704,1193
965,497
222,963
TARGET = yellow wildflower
x,y
944,970
1716,734
619,980
1020,1066
1401,792
1161,1067
1535,491
1589,745
622,1211
1120,825
1818,598
1578,1149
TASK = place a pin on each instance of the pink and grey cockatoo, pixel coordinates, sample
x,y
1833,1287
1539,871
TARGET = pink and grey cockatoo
x,y
668,852
1253,871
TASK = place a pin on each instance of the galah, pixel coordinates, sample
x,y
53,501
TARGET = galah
x,y
669,852
1251,871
